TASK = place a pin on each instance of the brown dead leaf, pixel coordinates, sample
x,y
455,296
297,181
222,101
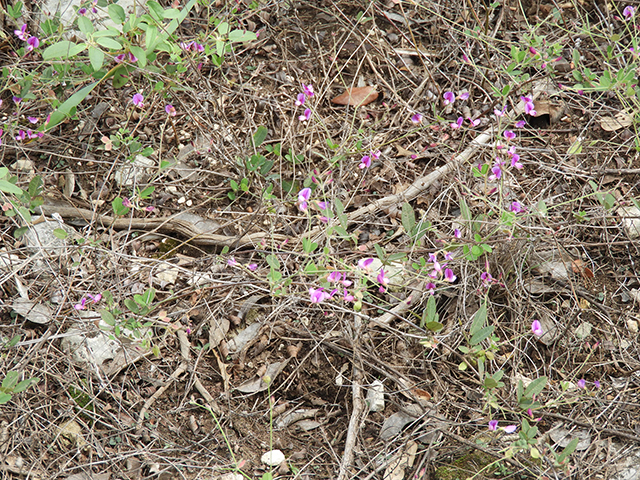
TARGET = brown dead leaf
x,y
293,350
403,152
611,124
357,96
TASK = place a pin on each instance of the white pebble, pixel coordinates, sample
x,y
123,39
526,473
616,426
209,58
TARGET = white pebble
x,y
272,458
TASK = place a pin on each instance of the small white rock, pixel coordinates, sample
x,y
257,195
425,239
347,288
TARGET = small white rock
x,y
633,326
272,458
375,396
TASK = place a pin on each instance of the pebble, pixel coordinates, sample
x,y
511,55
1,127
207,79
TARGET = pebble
x,y
272,458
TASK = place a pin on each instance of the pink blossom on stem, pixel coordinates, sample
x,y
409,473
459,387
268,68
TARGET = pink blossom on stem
x,y
305,116
536,328
417,118
458,123
449,97
365,162
364,263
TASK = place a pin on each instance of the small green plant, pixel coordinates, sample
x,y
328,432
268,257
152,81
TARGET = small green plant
x,y
12,385
133,323
21,203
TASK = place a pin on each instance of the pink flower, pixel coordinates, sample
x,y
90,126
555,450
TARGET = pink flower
x,y
132,57
22,34
474,123
516,207
322,205
1,132
509,135
449,97
520,124
170,109
448,256
303,198
81,305
300,100
252,266
95,298
344,281
417,118
464,95
382,279
82,11
137,100
376,155
305,116
457,233
33,42
497,170
487,278
431,288
21,135
347,297
365,162
308,90
126,202
119,58
533,51
493,425
536,328
32,120
334,277
499,113
529,106
318,295
458,123
628,12
582,383
597,384
449,276
510,428
364,263
232,262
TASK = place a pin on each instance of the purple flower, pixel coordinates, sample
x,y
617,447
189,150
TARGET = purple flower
x,y
138,100
95,298
300,100
582,383
457,233
449,276
82,11
232,262
449,97
458,123
306,116
529,106
487,278
334,277
32,119
536,328
499,113
533,51
1,132
474,123
17,100
322,205
22,34
318,295
80,306
437,270
344,281
431,288
132,57
364,263
119,58
497,171
308,90
21,135
303,198
628,12
433,257
510,428
516,207
252,266
376,155
509,135
382,279
520,124
417,118
324,219
365,162
170,109
515,159
597,384
448,256
493,425
464,96
347,297
126,202
33,43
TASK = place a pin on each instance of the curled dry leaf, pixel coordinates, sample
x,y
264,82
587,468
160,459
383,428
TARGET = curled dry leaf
x,y
611,124
357,96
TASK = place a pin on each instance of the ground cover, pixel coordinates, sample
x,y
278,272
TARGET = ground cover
x,y
384,239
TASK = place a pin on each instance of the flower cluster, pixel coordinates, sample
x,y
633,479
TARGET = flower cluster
x,y
192,47
93,298
303,203
138,100
529,106
440,271
121,58
23,135
32,41
628,12
232,262
307,92
365,161
493,426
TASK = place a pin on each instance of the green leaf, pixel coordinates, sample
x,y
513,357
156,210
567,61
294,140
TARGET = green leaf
x,y
10,380
223,28
433,326
140,54
568,450
151,38
464,210
85,25
535,387
479,319
132,305
260,136
96,57
4,398
490,383
23,385
60,233
63,49
171,13
408,218
116,13
108,42
239,36
107,317
481,335
8,187
156,10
